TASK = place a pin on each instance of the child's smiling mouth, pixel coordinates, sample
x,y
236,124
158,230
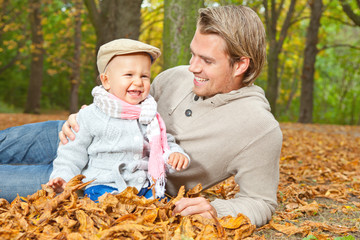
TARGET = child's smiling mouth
x,y
134,92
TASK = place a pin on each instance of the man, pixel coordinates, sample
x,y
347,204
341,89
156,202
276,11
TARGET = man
x,y
219,117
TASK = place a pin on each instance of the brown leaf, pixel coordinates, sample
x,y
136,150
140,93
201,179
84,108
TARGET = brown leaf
x,y
194,192
289,228
331,228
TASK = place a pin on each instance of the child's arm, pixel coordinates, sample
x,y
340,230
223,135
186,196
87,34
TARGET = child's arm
x,y
58,184
178,161
175,158
73,157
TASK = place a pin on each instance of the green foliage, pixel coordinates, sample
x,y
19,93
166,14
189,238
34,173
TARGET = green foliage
x,y
309,237
57,26
59,37
336,89
14,52
152,28
179,29
209,3
337,92
349,237
8,108
291,60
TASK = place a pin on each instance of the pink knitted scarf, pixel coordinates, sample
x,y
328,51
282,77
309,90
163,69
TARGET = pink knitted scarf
x,y
156,130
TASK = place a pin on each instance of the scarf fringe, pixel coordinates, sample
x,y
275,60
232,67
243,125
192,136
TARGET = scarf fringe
x,y
158,185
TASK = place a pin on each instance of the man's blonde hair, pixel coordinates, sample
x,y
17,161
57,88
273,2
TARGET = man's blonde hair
x,y
243,32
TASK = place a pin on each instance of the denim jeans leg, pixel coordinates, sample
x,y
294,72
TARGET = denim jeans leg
x,y
22,179
26,155
34,143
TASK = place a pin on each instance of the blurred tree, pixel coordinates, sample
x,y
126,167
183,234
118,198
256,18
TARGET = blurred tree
x,y
350,12
276,41
151,31
76,64
336,89
6,21
289,67
353,16
37,59
308,70
15,41
59,26
114,19
179,29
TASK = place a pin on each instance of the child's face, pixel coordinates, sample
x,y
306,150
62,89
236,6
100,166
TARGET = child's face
x,y
128,77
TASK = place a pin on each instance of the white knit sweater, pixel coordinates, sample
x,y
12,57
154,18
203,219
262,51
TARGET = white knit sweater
x,y
111,150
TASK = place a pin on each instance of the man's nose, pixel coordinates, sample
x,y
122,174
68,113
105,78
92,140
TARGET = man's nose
x,y
195,65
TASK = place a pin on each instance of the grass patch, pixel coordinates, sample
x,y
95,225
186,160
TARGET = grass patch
x,y
5,108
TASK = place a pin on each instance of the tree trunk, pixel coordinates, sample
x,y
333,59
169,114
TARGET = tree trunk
x,y
119,19
350,13
308,70
276,41
294,87
76,66
354,17
113,19
273,80
37,59
179,28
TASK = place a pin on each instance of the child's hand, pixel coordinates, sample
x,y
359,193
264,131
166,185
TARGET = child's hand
x,y
58,184
178,161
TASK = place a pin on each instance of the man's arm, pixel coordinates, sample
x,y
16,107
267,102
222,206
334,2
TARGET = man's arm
x,y
258,182
258,178
69,124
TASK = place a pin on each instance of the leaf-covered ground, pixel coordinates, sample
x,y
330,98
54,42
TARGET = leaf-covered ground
x,y
319,190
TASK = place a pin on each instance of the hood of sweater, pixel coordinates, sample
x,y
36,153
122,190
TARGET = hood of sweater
x,y
254,92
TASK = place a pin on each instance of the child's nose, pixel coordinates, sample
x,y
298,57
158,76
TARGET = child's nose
x,y
138,81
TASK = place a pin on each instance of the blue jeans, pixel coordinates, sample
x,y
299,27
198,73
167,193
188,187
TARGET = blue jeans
x,y
26,155
97,191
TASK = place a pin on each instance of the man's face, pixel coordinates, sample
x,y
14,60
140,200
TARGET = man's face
x,y
211,66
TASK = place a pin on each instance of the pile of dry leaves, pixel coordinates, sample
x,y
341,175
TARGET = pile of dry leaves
x,y
319,190
318,196
45,215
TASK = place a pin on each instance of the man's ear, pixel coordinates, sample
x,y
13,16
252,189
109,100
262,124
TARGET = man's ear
x,y
105,81
241,66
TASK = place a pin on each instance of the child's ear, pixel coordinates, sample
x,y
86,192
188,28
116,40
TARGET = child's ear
x,y
105,81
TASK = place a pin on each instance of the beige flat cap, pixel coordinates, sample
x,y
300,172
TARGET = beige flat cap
x,y
123,46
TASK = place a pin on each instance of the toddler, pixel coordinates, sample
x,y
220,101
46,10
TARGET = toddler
x,y
122,139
